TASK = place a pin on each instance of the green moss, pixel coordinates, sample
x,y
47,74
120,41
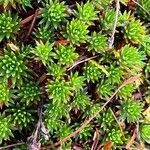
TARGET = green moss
x,y
9,25
131,110
14,66
76,32
86,13
5,128
53,13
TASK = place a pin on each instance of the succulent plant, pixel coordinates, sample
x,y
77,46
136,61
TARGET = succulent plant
x,y
43,52
92,72
53,12
5,94
115,136
145,132
6,128
135,31
106,119
66,55
131,58
13,66
59,91
97,43
29,92
9,25
131,110
76,32
126,91
44,33
20,115
104,89
86,13
81,100
56,70
115,74
76,81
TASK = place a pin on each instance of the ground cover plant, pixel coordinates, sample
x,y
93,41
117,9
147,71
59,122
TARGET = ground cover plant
x,y
74,75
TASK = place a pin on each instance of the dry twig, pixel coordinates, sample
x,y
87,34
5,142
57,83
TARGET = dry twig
x,y
129,144
95,139
117,121
12,145
111,39
82,61
28,19
32,24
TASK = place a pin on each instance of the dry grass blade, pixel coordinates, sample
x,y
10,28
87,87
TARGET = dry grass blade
x,y
95,139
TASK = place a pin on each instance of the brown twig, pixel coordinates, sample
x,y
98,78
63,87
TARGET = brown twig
x,y
95,139
117,122
32,24
111,39
12,145
82,61
86,122
129,144
42,78
28,19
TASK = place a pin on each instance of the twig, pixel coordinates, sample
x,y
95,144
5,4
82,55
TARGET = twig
x,y
32,25
86,122
129,144
95,139
117,122
82,61
111,39
32,141
141,7
12,145
26,20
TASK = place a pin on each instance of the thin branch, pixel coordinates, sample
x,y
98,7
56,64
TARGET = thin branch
x,y
129,144
32,25
86,122
12,145
141,7
117,121
111,39
82,61
95,139
28,19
